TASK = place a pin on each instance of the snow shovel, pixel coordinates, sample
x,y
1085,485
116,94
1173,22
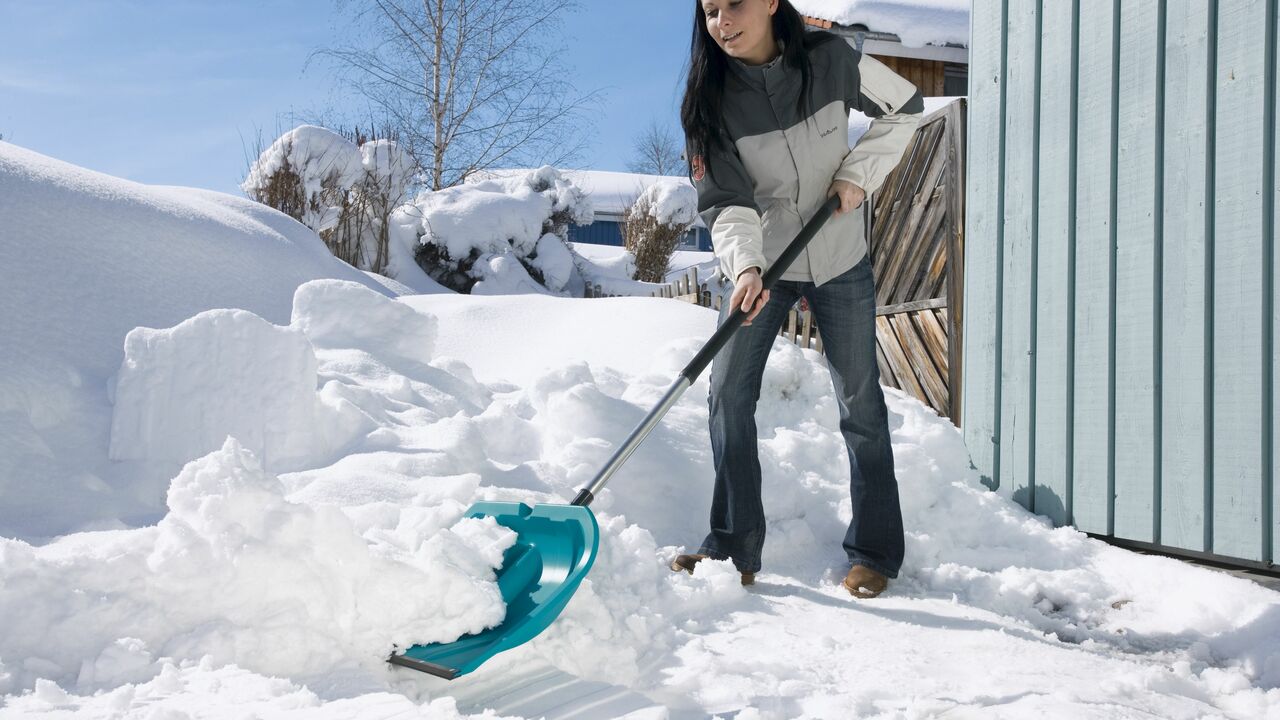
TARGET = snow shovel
x,y
556,544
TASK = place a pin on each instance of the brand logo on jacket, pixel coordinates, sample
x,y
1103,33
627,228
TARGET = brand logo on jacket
x,y
825,133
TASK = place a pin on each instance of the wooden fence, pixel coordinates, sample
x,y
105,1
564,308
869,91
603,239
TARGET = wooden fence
x,y
686,288
917,254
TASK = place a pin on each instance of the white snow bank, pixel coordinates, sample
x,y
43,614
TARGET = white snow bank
x,y
238,572
340,314
89,257
916,22
181,391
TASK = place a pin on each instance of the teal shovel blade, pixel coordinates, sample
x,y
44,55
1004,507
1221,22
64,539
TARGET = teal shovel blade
x,y
555,547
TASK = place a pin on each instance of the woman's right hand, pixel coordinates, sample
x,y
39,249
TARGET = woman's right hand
x,y
747,294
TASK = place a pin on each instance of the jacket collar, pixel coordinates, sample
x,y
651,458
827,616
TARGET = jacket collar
x,y
755,75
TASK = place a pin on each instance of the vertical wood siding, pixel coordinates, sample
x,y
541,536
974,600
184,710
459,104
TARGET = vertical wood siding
x,y
1120,267
1053,263
1018,273
1185,392
982,215
1091,381
1135,278
1238,280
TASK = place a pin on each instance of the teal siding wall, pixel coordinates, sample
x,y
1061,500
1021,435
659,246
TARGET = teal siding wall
x,y
1119,341
1186,261
984,157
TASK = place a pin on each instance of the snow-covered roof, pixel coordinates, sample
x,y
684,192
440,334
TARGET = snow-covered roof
x,y
916,22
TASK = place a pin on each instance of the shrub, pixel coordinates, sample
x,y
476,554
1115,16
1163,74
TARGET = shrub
x,y
654,225
503,235
343,187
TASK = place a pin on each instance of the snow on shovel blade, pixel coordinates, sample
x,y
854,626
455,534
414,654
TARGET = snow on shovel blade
x,y
555,547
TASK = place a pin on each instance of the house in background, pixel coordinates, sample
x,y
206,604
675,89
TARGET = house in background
x,y
925,41
612,193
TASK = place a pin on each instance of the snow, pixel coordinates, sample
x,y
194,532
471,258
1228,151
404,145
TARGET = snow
x,y
181,391
614,264
611,193
322,158
88,258
916,22
670,202
279,571
499,223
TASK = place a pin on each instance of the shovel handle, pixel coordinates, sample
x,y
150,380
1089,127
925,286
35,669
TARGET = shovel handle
x,y
704,356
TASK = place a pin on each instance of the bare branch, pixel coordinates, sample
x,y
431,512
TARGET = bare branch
x,y
469,84
656,151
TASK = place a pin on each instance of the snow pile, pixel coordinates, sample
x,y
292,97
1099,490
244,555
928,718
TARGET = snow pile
x,y
669,203
338,314
240,574
500,236
90,257
226,372
916,22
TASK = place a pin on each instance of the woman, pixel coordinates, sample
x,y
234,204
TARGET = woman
x,y
765,114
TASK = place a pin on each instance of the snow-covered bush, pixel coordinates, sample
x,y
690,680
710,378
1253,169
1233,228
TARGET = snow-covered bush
x,y
342,189
655,222
503,235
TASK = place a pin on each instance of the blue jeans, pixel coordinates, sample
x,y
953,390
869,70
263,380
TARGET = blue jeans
x,y
845,309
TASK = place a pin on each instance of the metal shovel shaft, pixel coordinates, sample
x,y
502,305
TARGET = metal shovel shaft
x,y
700,361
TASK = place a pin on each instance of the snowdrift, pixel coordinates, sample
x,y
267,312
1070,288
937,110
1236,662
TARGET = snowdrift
x,y
322,441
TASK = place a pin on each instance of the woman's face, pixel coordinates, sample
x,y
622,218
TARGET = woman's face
x,y
742,28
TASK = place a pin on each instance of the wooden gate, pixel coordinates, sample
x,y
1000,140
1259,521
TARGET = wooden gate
x,y
917,254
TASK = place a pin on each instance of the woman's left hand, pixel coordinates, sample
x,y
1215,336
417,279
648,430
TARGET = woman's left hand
x,y
851,196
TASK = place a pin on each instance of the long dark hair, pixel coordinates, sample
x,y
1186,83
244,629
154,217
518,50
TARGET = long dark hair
x,y
700,112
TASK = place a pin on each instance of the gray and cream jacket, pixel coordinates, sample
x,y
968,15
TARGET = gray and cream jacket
x,y
759,192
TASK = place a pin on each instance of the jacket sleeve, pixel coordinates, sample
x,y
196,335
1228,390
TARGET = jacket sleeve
x,y
726,202
895,106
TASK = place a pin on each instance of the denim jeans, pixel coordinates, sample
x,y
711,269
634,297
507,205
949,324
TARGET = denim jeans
x,y
845,310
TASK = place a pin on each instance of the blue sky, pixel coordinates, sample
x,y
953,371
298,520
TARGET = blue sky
x,y
172,92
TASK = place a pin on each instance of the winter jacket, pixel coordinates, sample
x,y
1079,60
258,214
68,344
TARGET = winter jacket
x,y
758,193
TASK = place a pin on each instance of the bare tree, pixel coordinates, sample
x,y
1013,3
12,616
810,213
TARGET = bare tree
x,y
657,152
469,84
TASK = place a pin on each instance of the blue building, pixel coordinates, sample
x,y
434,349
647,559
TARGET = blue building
x,y
611,194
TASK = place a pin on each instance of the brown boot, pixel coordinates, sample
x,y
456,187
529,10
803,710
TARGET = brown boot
x,y
863,582
686,563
